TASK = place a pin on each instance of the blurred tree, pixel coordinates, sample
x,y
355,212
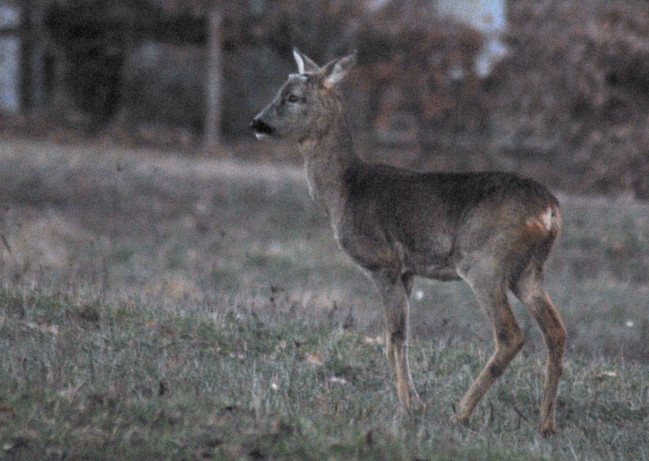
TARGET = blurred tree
x,y
576,89
413,62
94,35
98,35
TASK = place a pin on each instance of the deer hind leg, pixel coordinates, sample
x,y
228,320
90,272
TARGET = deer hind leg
x,y
393,289
531,291
508,337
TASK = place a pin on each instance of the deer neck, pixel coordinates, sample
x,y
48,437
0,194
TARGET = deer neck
x,y
328,159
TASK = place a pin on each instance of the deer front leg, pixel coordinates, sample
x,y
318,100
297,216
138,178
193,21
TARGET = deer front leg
x,y
395,304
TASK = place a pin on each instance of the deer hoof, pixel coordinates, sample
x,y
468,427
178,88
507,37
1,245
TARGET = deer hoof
x,y
416,406
548,431
460,420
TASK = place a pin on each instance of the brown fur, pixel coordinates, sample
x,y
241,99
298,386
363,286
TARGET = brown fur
x,y
492,230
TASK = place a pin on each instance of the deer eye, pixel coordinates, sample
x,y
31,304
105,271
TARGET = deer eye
x,y
293,98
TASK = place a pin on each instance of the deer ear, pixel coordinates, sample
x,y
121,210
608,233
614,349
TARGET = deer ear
x,y
305,65
334,72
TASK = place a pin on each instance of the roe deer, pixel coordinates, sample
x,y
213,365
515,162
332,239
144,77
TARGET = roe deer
x,y
494,230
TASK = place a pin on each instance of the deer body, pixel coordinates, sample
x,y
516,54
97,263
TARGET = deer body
x,y
493,230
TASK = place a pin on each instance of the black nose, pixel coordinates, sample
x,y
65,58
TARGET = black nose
x,y
259,126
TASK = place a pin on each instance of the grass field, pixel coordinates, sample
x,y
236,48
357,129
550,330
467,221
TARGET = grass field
x,y
164,307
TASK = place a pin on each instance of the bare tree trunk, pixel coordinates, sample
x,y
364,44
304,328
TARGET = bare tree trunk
x,y
37,58
27,42
213,81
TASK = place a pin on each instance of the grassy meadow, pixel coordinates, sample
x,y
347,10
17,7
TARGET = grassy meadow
x,y
155,306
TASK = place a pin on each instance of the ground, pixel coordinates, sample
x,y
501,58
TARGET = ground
x,y
157,305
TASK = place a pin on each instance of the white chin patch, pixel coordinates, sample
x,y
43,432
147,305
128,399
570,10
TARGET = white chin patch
x,y
262,135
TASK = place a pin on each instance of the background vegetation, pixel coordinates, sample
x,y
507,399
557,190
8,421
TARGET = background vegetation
x,y
156,306
571,96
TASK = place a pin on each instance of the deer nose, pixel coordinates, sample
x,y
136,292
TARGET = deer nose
x,y
260,127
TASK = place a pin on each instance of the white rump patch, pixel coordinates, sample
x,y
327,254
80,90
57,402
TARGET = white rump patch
x,y
546,219
262,135
542,223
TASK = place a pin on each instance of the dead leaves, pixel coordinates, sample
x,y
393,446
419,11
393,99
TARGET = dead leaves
x,y
605,375
20,439
45,328
374,341
334,369
7,412
315,359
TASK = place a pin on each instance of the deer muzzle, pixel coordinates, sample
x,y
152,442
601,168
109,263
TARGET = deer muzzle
x,y
261,128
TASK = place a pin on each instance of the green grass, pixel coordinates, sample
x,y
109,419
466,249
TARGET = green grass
x,y
192,309
118,382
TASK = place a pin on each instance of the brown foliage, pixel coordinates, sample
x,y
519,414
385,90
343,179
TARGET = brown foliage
x,y
414,62
577,84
